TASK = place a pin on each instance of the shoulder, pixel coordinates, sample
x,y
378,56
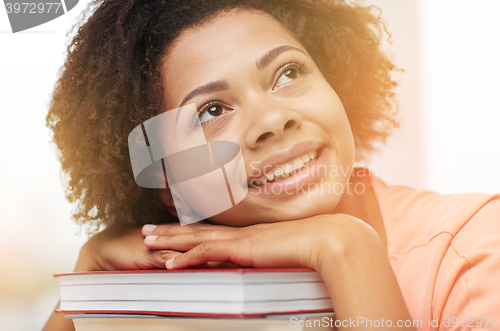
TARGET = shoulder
x,y
414,218
482,229
444,249
490,212
481,234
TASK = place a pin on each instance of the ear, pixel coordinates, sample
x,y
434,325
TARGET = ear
x,y
166,198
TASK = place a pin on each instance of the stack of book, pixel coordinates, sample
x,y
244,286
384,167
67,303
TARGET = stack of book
x,y
195,299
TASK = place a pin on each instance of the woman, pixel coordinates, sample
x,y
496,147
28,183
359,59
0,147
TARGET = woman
x,y
284,80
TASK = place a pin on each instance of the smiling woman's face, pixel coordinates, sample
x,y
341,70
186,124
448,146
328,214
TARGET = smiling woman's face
x,y
262,90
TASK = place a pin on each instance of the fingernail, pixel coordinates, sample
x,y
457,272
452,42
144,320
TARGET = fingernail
x,y
151,238
149,228
169,263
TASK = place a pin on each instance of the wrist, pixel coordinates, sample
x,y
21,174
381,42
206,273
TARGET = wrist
x,y
345,238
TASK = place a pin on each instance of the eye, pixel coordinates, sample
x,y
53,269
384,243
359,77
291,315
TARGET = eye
x,y
212,110
289,73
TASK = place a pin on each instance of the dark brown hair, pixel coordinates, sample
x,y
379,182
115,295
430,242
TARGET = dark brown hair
x,y
110,83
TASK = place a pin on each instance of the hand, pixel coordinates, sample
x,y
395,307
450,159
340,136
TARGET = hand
x,y
124,250
283,244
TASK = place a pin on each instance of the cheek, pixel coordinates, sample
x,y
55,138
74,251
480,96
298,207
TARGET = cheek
x,y
341,136
324,108
341,126
224,131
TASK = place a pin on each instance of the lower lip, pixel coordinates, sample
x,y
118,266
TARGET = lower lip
x,y
297,180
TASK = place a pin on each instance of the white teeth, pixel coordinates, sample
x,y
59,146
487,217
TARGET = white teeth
x,y
286,170
269,175
298,163
278,171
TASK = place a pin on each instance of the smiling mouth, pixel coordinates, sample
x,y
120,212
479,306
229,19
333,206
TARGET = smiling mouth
x,y
286,170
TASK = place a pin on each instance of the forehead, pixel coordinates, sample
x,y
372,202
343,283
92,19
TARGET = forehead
x,y
224,44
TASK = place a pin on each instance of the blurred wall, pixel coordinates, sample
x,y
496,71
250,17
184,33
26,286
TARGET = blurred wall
x,y
449,137
459,57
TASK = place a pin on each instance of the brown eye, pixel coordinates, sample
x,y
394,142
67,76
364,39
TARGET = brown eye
x,y
291,73
287,75
215,110
212,110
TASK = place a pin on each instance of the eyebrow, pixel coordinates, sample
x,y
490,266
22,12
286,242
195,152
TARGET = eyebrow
x,y
215,86
221,85
270,56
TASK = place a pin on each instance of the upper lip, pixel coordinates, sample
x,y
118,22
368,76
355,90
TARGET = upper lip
x,y
282,156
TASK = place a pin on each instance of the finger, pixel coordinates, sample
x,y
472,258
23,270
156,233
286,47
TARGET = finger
x,y
162,229
209,251
189,240
171,229
148,229
158,258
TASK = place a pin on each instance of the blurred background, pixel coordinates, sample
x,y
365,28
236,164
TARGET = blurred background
x,y
448,140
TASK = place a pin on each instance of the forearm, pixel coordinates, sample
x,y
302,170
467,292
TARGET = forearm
x,y
361,283
112,250
56,321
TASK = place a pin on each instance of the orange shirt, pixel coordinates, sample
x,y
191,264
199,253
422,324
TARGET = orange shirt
x,y
445,252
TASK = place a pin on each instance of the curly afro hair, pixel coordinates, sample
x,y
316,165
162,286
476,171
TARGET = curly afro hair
x,y
110,83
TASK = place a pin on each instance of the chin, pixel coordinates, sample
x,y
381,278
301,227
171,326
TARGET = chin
x,y
301,206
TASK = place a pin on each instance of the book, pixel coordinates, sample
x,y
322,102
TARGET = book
x,y
103,322
243,292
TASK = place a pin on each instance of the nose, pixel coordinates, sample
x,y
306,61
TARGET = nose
x,y
271,123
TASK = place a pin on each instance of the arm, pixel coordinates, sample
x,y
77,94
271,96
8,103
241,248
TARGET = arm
x,y
109,250
360,279
58,321
347,253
